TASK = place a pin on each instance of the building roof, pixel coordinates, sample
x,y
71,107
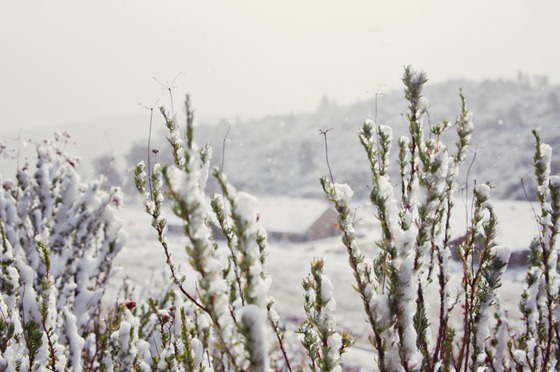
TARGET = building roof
x,y
289,215
283,215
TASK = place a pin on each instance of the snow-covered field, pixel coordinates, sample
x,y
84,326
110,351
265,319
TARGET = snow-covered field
x,y
143,261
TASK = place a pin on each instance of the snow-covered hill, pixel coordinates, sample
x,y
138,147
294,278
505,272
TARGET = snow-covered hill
x,y
285,154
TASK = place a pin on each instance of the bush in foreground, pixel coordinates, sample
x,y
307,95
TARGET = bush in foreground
x,y
59,237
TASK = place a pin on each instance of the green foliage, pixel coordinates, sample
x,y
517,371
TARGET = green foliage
x,y
7,332
324,345
33,336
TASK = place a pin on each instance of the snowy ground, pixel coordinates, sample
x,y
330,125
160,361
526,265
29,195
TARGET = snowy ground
x,y
142,260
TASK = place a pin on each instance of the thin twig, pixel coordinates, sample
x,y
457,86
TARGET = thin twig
x,y
149,155
403,119
429,125
169,88
224,140
377,95
466,189
174,275
276,329
155,152
324,133
528,199
151,108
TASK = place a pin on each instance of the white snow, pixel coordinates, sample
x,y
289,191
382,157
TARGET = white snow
x,y
343,192
252,318
288,264
483,191
246,207
502,252
387,131
326,289
554,181
289,215
546,158
423,104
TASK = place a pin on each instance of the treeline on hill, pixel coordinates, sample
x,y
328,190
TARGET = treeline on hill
x,y
284,153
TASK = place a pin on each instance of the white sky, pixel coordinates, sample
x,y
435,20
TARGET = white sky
x,y
72,61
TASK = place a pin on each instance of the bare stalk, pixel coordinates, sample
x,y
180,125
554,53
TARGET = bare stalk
x,y
324,133
150,146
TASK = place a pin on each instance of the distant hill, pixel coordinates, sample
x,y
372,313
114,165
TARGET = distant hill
x,y
284,154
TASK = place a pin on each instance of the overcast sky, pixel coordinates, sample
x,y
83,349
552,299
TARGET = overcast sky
x,y
74,61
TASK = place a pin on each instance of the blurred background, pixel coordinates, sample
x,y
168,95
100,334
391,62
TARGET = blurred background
x,y
270,75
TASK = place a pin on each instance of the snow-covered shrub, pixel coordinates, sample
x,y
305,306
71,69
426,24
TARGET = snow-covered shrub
x,y
236,321
59,237
415,251
538,347
323,343
414,258
415,244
